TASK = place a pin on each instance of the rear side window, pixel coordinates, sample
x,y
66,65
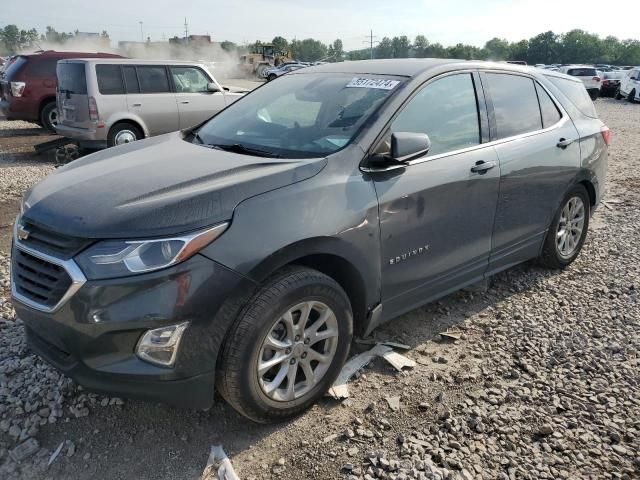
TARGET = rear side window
x,y
550,113
447,111
515,104
131,79
576,93
71,78
14,67
109,79
153,79
582,72
42,67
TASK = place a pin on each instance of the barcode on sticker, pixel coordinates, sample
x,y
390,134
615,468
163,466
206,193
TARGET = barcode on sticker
x,y
379,83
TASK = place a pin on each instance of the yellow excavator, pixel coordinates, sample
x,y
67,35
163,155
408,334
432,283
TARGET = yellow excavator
x,y
261,57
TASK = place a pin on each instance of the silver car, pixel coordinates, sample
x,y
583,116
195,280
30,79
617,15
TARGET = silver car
x,y
107,102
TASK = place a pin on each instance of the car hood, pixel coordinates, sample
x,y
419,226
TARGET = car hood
x,y
160,186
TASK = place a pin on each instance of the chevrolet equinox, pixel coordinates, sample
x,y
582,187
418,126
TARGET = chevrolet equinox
x,y
244,254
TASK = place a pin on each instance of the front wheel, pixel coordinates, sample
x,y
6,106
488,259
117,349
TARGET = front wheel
x,y
632,96
287,347
568,230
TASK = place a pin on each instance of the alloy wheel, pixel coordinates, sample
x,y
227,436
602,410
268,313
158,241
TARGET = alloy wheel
x,y
298,350
570,227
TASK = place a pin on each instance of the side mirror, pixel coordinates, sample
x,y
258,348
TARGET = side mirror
x,y
212,87
407,146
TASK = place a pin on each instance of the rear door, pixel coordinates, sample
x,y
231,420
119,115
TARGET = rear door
x,y
539,152
195,102
436,214
72,95
152,100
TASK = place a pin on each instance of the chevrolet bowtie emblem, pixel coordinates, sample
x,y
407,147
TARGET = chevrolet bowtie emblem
x,y
22,233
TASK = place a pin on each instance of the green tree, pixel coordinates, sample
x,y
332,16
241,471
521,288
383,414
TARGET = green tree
x,y
420,46
519,50
436,50
630,54
401,47
336,51
384,48
280,44
543,48
578,46
497,49
10,37
308,50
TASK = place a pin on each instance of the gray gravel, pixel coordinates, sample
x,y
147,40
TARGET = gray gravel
x,y
543,383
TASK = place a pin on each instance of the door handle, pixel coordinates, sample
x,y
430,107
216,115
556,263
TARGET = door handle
x,y
185,102
481,167
137,104
565,142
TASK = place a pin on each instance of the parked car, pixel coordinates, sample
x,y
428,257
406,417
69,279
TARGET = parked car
x,y
29,86
588,75
611,82
273,73
247,252
629,86
111,102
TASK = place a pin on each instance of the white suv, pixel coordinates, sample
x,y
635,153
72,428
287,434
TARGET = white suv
x,y
630,86
589,76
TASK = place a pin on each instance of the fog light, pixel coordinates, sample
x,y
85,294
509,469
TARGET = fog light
x,y
160,345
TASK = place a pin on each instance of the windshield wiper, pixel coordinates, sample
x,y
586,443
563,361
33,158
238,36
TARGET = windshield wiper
x,y
239,148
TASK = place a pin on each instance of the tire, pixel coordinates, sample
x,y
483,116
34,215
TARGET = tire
x,y
594,95
49,116
260,70
272,77
552,255
632,96
122,133
618,95
238,379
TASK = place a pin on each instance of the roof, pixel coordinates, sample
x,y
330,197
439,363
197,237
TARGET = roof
x,y
409,67
136,61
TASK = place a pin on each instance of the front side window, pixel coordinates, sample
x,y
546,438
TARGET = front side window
x,y
447,111
300,116
515,104
109,79
189,80
153,79
550,113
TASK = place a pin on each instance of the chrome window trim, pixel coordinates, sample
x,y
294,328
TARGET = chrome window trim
x,y
77,277
560,123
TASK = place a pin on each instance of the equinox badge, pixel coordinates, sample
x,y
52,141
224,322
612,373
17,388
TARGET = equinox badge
x,y
408,255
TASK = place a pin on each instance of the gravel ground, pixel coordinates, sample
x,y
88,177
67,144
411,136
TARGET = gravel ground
x,y
544,381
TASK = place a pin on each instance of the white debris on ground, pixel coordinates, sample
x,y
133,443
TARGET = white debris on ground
x,y
542,382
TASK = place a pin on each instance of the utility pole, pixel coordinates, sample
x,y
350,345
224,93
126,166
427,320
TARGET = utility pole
x,y
371,40
141,32
186,30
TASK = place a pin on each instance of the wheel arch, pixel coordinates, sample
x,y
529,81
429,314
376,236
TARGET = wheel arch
x,y
131,121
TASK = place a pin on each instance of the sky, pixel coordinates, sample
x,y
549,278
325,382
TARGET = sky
x,y
244,21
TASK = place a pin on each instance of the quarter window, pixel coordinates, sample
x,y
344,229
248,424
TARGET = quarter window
x,y
550,113
447,111
153,79
189,79
109,79
515,104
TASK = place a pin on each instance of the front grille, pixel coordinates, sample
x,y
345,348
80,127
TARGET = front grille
x,y
52,243
39,280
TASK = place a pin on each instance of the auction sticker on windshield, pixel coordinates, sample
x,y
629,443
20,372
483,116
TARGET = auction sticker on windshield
x,y
379,83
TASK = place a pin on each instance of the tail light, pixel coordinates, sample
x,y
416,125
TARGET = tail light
x,y
605,82
606,134
93,109
17,88
596,79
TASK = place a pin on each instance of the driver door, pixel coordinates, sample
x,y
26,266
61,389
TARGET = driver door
x,y
437,212
195,103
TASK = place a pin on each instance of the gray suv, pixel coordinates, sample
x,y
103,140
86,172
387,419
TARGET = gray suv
x,y
246,253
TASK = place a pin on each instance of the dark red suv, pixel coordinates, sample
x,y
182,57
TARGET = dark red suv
x,y
28,86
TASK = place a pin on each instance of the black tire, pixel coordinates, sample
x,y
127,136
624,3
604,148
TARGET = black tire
x,y
618,95
49,116
272,77
594,94
632,96
551,256
237,378
119,129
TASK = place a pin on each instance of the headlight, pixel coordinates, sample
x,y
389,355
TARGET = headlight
x,y
119,258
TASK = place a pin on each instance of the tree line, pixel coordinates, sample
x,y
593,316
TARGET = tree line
x,y
575,46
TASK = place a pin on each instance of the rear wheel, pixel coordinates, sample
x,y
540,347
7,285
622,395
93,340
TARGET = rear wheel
x,y
287,347
632,96
271,77
49,116
568,230
618,95
122,133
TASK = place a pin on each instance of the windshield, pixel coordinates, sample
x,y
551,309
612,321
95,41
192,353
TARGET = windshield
x,y
614,75
299,116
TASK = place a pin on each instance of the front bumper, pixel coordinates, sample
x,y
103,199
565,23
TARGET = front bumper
x,y
93,336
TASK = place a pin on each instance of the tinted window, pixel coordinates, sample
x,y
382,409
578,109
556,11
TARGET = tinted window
x,y
515,104
153,79
574,90
189,79
109,79
550,113
71,78
446,110
14,67
130,79
614,75
582,72
42,67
